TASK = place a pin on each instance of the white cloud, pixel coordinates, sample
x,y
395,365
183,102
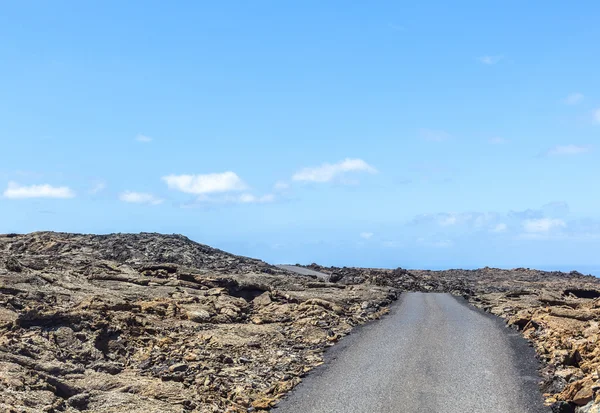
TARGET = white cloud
x,y
97,187
542,225
433,135
366,235
245,198
578,229
253,199
448,220
501,227
552,221
143,138
490,60
16,191
139,198
574,98
281,186
497,141
328,172
596,115
205,184
567,150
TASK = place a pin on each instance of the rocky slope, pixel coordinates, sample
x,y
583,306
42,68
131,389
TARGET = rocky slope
x,y
158,323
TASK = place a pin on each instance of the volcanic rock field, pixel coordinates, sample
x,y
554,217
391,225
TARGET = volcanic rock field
x,y
159,323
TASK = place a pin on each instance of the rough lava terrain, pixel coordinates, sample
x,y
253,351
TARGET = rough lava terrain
x,y
559,313
159,323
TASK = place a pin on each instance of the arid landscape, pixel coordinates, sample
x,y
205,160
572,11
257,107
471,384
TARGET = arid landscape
x,y
299,207
159,323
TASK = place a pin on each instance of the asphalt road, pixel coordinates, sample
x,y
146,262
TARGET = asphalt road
x,y
305,271
433,353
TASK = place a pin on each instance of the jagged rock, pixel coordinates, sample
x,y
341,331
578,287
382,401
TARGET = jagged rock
x,y
199,316
562,407
12,264
263,299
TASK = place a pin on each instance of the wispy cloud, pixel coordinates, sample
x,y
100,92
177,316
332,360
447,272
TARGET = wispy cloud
x,y
328,172
143,138
498,228
205,184
281,186
97,187
139,198
557,229
366,235
16,191
596,115
433,135
490,60
567,150
542,225
451,220
574,98
246,198
552,221
497,141
253,199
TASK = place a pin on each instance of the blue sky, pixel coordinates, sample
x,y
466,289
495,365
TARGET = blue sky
x,y
366,133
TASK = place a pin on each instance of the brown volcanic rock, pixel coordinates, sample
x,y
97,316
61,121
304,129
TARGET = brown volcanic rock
x,y
151,252
158,323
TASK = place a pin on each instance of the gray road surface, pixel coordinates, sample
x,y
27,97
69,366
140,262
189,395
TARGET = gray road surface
x,y
305,271
433,353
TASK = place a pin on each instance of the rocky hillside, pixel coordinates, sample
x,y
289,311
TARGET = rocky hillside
x,y
158,323
47,250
